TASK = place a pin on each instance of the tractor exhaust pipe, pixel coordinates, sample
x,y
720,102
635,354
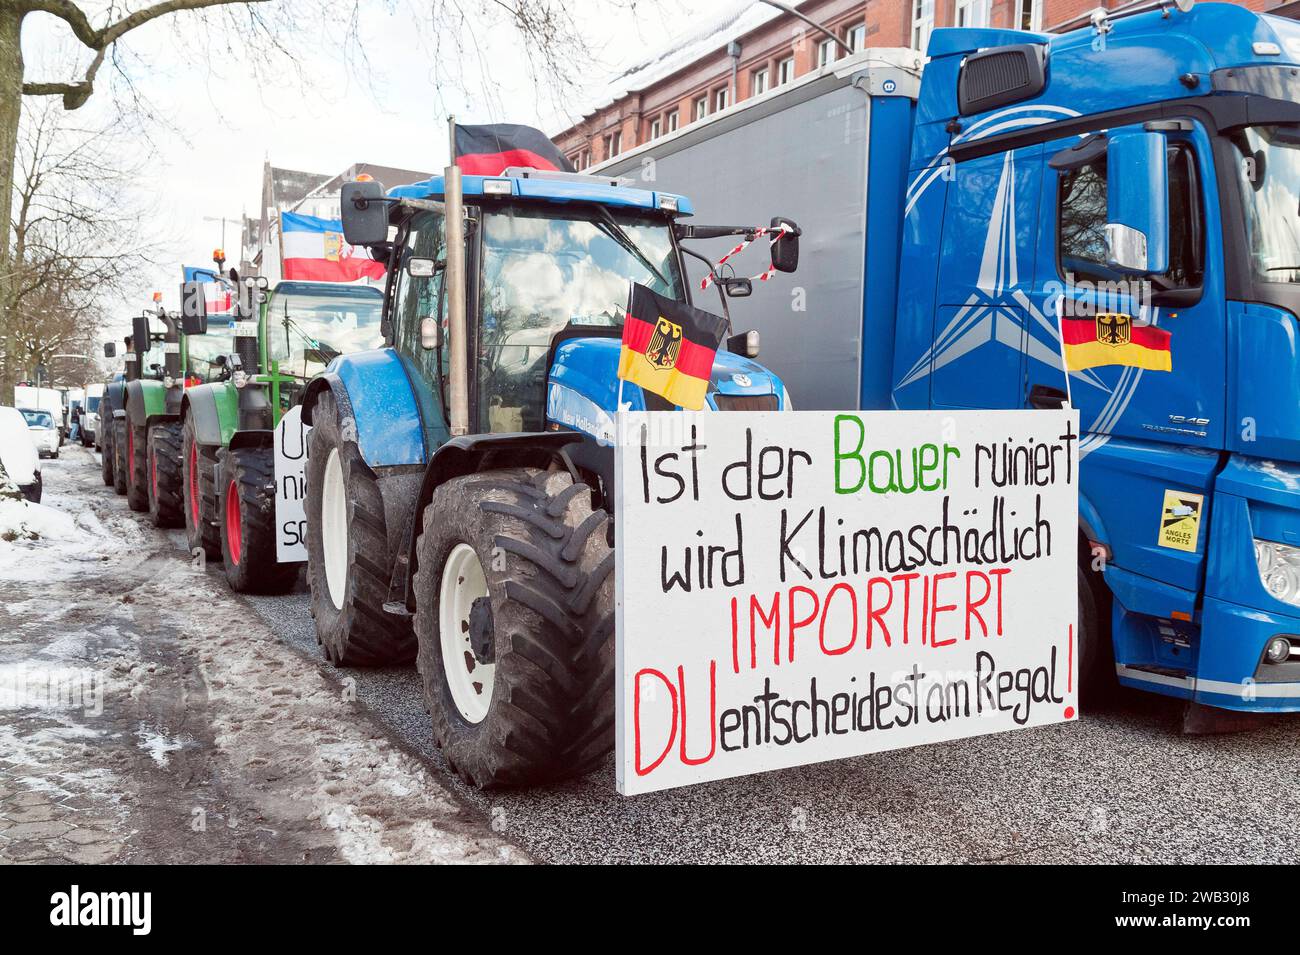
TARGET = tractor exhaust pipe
x,y
455,278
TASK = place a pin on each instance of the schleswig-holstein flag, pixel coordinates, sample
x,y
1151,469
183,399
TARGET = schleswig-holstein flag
x,y
313,250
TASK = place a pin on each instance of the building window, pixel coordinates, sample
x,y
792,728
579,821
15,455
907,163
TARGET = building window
x,y
613,145
922,23
576,160
827,52
700,108
1031,15
758,82
655,128
855,37
585,159
785,71
720,99
672,121
971,13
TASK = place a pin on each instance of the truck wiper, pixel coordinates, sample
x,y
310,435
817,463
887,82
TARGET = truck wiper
x,y
615,231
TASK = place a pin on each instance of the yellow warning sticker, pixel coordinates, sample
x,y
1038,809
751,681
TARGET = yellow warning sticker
x,y
1180,520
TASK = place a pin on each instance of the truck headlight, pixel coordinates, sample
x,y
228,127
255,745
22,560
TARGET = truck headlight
x,y
1279,570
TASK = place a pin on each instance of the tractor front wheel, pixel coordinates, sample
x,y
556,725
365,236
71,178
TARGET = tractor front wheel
x,y
165,480
248,524
514,616
137,468
199,492
106,460
347,551
120,465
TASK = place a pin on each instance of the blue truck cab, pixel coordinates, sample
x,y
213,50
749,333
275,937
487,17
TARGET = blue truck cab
x,y
1125,199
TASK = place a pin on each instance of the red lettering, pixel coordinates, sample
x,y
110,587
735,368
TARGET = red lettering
x,y
936,608
636,720
798,624
998,574
874,615
713,714
773,620
826,609
972,606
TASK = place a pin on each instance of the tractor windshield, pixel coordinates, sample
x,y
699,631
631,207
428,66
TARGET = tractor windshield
x,y
308,326
546,270
202,351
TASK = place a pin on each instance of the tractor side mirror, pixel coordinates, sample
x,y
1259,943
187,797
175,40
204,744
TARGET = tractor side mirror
x,y
140,334
364,213
785,251
1137,203
110,349
194,308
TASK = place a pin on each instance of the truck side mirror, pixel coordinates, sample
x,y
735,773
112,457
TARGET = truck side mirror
x,y
194,308
140,334
110,349
1137,203
364,213
785,251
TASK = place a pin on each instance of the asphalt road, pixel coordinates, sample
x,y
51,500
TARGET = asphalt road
x,y
1123,784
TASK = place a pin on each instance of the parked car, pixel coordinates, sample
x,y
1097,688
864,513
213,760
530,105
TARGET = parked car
x,y
44,431
18,453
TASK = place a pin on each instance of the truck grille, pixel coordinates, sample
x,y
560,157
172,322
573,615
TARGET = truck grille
x,y
745,402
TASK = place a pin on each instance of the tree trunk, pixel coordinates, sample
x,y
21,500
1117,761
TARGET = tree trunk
x,y
11,99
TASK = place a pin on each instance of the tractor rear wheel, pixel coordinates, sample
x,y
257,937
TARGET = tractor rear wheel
x,y
248,524
514,616
199,492
119,455
137,468
106,460
165,481
347,551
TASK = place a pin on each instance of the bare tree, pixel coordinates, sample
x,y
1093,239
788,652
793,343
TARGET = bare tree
x,y
76,239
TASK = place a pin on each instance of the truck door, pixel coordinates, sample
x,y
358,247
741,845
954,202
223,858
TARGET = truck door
x,y
988,254
1147,355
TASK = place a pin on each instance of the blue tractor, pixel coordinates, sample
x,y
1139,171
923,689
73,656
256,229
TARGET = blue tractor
x,y
460,479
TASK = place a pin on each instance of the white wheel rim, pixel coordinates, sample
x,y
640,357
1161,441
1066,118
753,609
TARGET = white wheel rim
x,y
470,682
334,529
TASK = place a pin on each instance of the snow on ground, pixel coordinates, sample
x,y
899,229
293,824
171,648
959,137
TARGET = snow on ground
x,y
148,714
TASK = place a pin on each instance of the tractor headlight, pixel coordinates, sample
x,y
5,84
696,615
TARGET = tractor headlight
x,y
1279,570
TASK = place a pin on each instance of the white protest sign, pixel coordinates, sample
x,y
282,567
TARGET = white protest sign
x,y
291,487
803,586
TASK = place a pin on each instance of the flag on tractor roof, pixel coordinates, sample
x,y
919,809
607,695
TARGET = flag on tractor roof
x,y
491,150
217,292
668,347
1113,338
312,249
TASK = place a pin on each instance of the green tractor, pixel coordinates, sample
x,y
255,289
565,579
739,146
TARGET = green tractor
x,y
238,505
147,436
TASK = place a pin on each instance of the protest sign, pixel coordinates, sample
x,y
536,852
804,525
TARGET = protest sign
x,y
797,587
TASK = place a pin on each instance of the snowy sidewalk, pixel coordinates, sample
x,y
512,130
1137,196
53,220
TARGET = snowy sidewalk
x,y
147,714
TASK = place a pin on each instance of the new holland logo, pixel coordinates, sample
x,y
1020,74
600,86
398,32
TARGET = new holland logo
x,y
1114,328
665,344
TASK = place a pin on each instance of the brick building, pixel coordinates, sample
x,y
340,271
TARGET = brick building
x,y
754,48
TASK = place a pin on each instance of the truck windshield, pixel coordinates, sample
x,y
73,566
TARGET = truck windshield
x,y
1270,186
545,270
306,330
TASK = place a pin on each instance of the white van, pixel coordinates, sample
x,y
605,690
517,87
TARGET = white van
x,y
18,454
90,431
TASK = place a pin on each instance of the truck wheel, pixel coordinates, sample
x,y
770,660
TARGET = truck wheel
x,y
347,547
165,495
106,463
514,616
248,524
199,494
119,455
1094,680
137,468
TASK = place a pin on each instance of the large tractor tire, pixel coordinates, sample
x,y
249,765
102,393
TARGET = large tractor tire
x,y
166,496
248,524
137,468
106,463
119,455
514,616
347,548
199,494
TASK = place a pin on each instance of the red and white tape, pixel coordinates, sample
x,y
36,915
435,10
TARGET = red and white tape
x,y
777,233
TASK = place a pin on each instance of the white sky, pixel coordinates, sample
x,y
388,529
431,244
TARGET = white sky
x,y
225,124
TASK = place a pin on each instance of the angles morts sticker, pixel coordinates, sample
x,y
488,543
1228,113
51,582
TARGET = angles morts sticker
x,y
1180,520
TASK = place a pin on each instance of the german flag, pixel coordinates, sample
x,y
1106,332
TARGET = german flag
x,y
491,150
668,347
1111,338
